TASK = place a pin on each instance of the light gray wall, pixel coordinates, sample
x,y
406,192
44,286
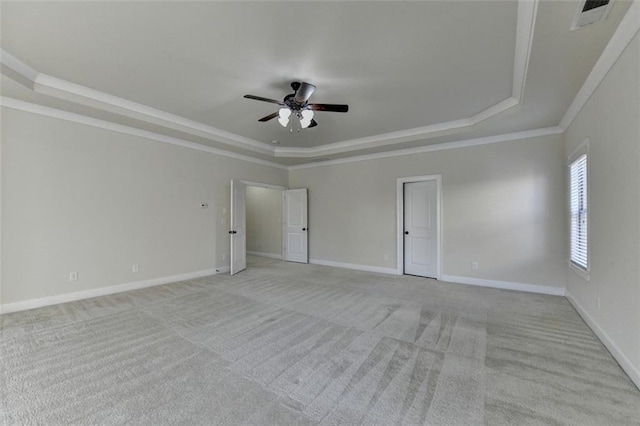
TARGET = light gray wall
x,y
503,206
264,221
78,198
610,120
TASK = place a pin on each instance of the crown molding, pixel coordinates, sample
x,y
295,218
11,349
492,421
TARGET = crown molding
x,y
19,105
437,147
527,13
621,38
45,84
66,90
52,86
392,138
17,70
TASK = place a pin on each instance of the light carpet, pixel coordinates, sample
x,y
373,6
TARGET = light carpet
x,y
291,344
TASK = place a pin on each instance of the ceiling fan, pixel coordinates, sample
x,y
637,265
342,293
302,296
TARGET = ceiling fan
x,y
297,104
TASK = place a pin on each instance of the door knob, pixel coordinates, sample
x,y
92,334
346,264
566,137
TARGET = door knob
x,y
406,232
233,232
304,229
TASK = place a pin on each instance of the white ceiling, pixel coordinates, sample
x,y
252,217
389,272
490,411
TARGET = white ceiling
x,y
413,73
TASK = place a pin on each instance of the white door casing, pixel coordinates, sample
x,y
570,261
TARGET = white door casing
x,y
295,235
238,225
419,230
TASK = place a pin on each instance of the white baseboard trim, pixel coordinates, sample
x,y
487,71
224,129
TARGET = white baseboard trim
x,y
506,285
632,371
222,270
103,291
367,268
269,255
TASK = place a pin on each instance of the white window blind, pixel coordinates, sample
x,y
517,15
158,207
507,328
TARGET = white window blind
x,y
579,212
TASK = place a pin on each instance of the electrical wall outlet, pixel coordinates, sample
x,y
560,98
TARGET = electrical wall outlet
x,y
385,257
474,265
135,268
224,256
73,276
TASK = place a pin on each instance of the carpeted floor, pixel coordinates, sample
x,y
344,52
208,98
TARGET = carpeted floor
x,y
290,344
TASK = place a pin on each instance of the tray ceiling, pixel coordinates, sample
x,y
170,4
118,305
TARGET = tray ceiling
x,y
413,73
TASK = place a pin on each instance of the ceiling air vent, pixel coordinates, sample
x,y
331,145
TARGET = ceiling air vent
x,y
590,12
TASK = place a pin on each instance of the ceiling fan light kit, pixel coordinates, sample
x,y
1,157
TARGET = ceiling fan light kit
x,y
297,104
306,115
284,114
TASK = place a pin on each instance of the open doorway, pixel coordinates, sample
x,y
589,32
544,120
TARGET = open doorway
x,y
264,222
269,221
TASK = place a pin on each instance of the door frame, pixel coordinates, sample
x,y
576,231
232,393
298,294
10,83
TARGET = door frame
x,y
400,220
284,224
238,239
260,185
263,185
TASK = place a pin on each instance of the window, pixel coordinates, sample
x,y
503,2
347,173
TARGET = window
x,y
579,211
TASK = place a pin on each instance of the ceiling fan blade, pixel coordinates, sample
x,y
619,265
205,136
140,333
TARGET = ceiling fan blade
x,y
329,107
314,123
269,117
260,98
304,92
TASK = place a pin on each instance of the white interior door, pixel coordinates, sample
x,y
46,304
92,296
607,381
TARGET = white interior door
x,y
420,228
295,244
238,225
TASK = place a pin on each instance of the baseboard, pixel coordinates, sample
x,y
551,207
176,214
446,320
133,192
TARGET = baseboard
x,y
506,285
632,371
367,268
269,255
222,270
103,291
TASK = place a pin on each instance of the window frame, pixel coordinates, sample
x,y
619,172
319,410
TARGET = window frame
x,y
581,150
